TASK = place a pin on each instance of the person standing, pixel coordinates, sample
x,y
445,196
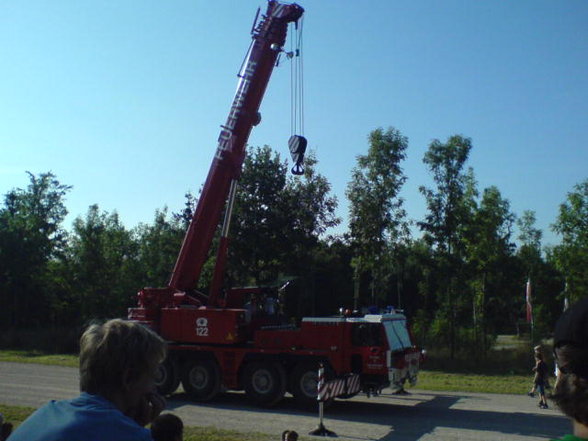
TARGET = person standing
x,y
540,379
570,345
536,350
118,363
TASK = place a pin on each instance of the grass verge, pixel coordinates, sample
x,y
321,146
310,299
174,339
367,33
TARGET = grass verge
x,y
39,357
214,434
454,382
15,414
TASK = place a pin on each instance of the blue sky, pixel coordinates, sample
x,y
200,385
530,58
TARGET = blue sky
x,y
123,100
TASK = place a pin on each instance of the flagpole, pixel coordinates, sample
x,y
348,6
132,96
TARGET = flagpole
x,y
530,318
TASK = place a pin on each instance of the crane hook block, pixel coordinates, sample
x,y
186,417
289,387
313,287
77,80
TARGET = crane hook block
x,y
297,145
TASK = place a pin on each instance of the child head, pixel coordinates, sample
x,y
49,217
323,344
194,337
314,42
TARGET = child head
x,y
289,435
167,427
538,352
115,351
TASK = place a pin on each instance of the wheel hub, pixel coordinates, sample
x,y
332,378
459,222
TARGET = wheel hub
x,y
308,384
198,378
262,381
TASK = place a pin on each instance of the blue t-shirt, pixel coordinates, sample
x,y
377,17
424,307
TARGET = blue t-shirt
x,y
85,418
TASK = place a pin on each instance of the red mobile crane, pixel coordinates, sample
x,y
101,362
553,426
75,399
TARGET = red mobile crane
x,y
215,342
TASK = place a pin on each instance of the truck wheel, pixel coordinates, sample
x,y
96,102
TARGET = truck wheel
x,y
201,379
167,379
303,383
264,382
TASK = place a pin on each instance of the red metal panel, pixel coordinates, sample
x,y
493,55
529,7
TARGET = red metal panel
x,y
203,325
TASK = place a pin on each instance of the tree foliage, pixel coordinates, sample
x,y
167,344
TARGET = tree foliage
x,y
278,220
30,236
571,257
103,261
260,226
445,203
443,227
377,219
159,244
461,282
488,251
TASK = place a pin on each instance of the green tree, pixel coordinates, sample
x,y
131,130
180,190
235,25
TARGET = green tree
x,y
159,245
276,218
571,256
260,221
448,210
334,279
185,216
31,236
103,261
488,251
309,213
445,203
421,286
529,235
534,270
377,219
277,222
310,204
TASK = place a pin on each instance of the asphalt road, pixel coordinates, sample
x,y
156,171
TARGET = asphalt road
x,y
422,415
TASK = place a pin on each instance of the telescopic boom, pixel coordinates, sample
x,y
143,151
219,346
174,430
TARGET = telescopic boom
x,y
268,39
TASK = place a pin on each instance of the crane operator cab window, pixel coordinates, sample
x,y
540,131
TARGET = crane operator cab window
x,y
367,334
260,305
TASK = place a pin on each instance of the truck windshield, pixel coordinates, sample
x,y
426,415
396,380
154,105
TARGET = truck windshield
x,y
397,334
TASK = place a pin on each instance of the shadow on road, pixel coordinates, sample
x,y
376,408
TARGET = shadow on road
x,y
410,420
413,422
238,401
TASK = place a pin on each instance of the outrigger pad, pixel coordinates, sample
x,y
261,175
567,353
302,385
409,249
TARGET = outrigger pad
x,y
297,145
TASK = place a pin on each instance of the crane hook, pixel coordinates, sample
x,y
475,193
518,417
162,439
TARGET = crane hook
x,y
297,145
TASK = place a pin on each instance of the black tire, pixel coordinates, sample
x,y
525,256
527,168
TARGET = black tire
x,y
168,378
201,379
303,383
264,382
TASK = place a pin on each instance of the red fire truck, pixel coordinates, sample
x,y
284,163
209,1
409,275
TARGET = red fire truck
x,y
234,338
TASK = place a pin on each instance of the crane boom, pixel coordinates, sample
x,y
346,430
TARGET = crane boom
x,y
268,38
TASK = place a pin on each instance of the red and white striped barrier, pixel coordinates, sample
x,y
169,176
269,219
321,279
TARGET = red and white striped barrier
x,y
341,386
320,384
322,391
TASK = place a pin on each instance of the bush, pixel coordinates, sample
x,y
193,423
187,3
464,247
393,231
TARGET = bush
x,y
53,340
